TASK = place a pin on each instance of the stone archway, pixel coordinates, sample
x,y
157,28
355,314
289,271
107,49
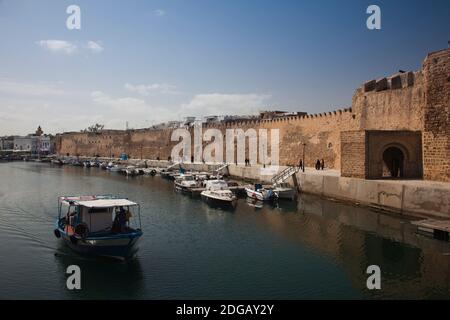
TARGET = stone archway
x,y
393,162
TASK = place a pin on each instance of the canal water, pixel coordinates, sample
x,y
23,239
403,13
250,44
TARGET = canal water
x,y
310,249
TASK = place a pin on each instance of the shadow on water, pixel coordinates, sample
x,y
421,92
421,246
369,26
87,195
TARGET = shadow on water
x,y
101,278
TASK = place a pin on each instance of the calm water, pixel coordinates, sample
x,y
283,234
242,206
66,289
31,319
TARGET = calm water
x,y
310,249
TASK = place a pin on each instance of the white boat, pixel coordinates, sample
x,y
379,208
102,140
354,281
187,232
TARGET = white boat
x,y
116,168
130,171
218,193
57,162
87,164
284,191
260,193
184,182
201,176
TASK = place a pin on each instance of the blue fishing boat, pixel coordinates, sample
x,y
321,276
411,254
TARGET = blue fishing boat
x,y
104,226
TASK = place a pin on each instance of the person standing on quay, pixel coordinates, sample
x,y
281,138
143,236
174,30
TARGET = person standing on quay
x,y
318,164
322,164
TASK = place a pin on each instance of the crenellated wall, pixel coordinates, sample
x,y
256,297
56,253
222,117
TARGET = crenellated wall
x,y
404,102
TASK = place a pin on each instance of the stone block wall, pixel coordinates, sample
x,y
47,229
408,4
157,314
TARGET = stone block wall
x,y
410,101
353,154
436,135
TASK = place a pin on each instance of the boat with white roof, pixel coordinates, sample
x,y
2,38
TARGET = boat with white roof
x,y
99,225
218,193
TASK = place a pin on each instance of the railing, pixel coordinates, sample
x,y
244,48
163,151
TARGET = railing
x,y
222,167
284,175
172,165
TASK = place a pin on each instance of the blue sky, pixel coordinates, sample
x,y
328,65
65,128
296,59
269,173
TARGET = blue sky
x,y
151,61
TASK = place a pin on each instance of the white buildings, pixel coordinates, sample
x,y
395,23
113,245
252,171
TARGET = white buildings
x,y
6,143
33,144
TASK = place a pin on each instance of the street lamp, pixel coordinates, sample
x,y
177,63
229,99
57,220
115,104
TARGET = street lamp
x,y
303,167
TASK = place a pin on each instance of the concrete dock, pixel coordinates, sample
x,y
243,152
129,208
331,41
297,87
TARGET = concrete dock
x,y
419,198
440,229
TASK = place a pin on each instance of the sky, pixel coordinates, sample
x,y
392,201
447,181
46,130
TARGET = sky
x,y
146,62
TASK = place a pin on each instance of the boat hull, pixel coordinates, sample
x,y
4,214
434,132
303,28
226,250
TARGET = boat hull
x,y
219,203
258,195
121,246
288,194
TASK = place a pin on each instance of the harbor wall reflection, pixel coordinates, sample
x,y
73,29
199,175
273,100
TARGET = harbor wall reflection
x,y
412,265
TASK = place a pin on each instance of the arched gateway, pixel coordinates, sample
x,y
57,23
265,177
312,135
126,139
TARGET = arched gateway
x,y
381,154
393,162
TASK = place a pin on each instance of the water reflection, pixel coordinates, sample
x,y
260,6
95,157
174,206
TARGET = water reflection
x,y
101,278
412,266
312,248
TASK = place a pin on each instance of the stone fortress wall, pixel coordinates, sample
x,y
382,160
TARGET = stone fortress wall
x,y
408,111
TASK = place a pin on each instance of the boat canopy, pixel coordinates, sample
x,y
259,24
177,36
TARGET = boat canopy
x,y
96,201
216,185
107,203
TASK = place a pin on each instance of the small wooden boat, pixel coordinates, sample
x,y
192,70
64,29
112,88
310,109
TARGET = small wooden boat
x,y
99,225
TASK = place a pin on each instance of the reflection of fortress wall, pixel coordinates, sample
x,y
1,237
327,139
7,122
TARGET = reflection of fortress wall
x,y
412,102
352,236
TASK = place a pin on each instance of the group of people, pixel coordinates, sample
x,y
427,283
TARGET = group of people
x,y
320,164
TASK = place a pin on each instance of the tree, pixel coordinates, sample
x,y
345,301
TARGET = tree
x,y
94,128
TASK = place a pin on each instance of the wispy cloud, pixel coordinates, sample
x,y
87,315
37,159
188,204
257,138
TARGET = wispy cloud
x,y
29,89
132,109
69,48
148,89
225,104
63,46
95,47
159,12
126,104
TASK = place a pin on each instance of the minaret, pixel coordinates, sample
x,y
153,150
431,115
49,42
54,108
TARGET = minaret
x,y
39,131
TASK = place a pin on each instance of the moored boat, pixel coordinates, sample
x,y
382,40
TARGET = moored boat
x,y
130,171
116,168
99,225
185,182
218,194
58,162
284,191
260,193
